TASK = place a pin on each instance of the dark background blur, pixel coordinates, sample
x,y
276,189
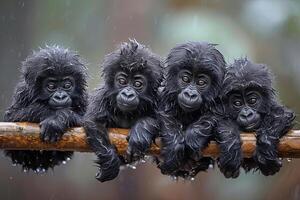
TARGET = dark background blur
x,y
264,30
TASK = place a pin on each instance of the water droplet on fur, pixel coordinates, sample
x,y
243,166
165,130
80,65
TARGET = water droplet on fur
x,y
14,164
68,159
25,170
280,158
38,170
174,178
143,161
43,170
210,166
146,157
192,179
289,159
131,166
64,162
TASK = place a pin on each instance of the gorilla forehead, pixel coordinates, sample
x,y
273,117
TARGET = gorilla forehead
x,y
196,56
53,61
132,57
243,74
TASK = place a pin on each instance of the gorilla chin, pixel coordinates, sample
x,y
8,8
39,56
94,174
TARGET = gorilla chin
x,y
250,127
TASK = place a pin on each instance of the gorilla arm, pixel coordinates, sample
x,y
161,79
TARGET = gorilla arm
x,y
173,144
274,126
53,127
228,138
95,125
141,136
199,134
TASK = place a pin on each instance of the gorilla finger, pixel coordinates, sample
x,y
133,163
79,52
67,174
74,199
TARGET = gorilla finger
x,y
236,174
104,175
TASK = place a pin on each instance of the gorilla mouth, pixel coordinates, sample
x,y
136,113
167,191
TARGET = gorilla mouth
x,y
60,105
124,106
251,127
189,106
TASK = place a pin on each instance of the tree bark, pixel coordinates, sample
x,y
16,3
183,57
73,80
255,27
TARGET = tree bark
x,y
25,136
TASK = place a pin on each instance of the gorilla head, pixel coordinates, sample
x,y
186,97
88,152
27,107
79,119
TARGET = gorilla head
x,y
194,75
132,76
55,77
248,93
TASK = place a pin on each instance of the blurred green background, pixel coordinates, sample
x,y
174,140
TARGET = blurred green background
x,y
266,31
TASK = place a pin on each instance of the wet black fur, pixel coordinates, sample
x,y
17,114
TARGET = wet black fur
x,y
276,121
184,134
103,113
30,106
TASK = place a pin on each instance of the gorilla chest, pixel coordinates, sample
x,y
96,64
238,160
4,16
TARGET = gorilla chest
x,y
188,119
124,122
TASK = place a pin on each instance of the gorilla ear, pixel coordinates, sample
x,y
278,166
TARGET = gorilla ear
x,y
29,78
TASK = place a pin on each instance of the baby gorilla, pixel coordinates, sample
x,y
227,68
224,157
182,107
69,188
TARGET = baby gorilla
x,y
251,105
128,99
52,92
194,75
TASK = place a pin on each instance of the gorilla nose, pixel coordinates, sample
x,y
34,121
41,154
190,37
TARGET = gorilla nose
x,y
247,115
128,94
60,97
191,95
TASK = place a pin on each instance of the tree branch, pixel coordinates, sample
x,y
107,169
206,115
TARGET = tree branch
x,y
25,136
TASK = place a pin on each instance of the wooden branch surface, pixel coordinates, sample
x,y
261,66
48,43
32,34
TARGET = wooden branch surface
x,y
25,136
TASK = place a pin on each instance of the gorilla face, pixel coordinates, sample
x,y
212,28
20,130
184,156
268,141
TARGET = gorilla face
x,y
246,107
130,87
58,91
192,85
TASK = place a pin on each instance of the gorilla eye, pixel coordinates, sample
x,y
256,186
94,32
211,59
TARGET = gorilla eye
x,y
138,84
186,79
237,103
67,85
51,86
202,82
122,81
252,100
